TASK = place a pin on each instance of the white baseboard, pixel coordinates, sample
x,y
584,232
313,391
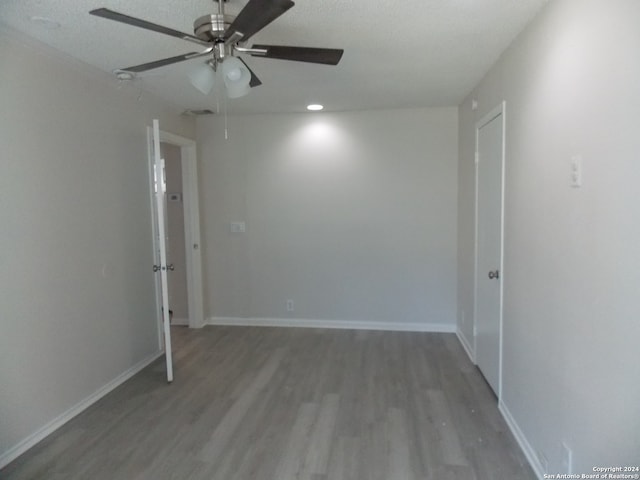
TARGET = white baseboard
x,y
340,324
466,345
53,425
179,321
522,440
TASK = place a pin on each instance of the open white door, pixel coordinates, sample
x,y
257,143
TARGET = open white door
x,y
161,266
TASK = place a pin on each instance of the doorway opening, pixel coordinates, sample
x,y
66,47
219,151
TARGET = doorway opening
x,y
175,234
184,238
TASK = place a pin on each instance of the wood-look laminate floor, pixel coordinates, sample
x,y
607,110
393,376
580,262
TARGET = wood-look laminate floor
x,y
284,404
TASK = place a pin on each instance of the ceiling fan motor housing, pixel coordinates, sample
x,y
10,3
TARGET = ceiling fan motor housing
x,y
212,27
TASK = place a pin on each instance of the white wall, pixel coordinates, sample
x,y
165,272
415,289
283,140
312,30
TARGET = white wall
x,y
572,256
351,215
76,290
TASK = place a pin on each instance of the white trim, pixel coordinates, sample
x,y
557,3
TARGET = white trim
x,y
475,246
466,345
180,321
17,450
339,324
526,447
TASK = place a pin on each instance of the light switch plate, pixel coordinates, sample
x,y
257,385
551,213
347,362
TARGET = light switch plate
x,y
576,171
238,227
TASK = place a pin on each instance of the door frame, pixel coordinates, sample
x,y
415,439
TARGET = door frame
x,y
191,206
499,111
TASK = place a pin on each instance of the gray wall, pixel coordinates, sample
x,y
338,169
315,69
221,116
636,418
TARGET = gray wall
x,y
351,215
572,256
76,288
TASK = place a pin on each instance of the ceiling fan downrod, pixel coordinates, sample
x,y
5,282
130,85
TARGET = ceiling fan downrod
x,y
211,27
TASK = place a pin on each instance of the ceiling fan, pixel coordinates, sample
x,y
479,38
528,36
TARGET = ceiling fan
x,y
224,38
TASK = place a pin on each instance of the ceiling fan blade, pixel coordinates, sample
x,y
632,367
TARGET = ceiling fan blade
x,y
255,81
256,15
137,22
165,61
326,56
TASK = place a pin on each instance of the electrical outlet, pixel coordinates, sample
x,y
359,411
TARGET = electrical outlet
x,y
289,305
567,458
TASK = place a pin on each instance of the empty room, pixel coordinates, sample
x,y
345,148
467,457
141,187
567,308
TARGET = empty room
x,y
273,240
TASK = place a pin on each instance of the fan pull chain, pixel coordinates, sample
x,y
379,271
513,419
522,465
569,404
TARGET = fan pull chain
x,y
221,93
226,130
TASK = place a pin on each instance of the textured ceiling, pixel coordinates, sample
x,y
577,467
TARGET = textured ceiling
x,y
415,53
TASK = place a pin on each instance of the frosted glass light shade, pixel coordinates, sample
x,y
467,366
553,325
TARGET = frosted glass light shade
x,y
236,74
237,91
203,77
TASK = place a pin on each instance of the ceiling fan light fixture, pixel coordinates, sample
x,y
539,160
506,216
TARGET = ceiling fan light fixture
x,y
203,77
236,74
222,36
314,107
237,91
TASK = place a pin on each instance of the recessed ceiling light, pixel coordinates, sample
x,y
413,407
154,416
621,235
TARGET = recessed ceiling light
x,y
314,107
45,22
